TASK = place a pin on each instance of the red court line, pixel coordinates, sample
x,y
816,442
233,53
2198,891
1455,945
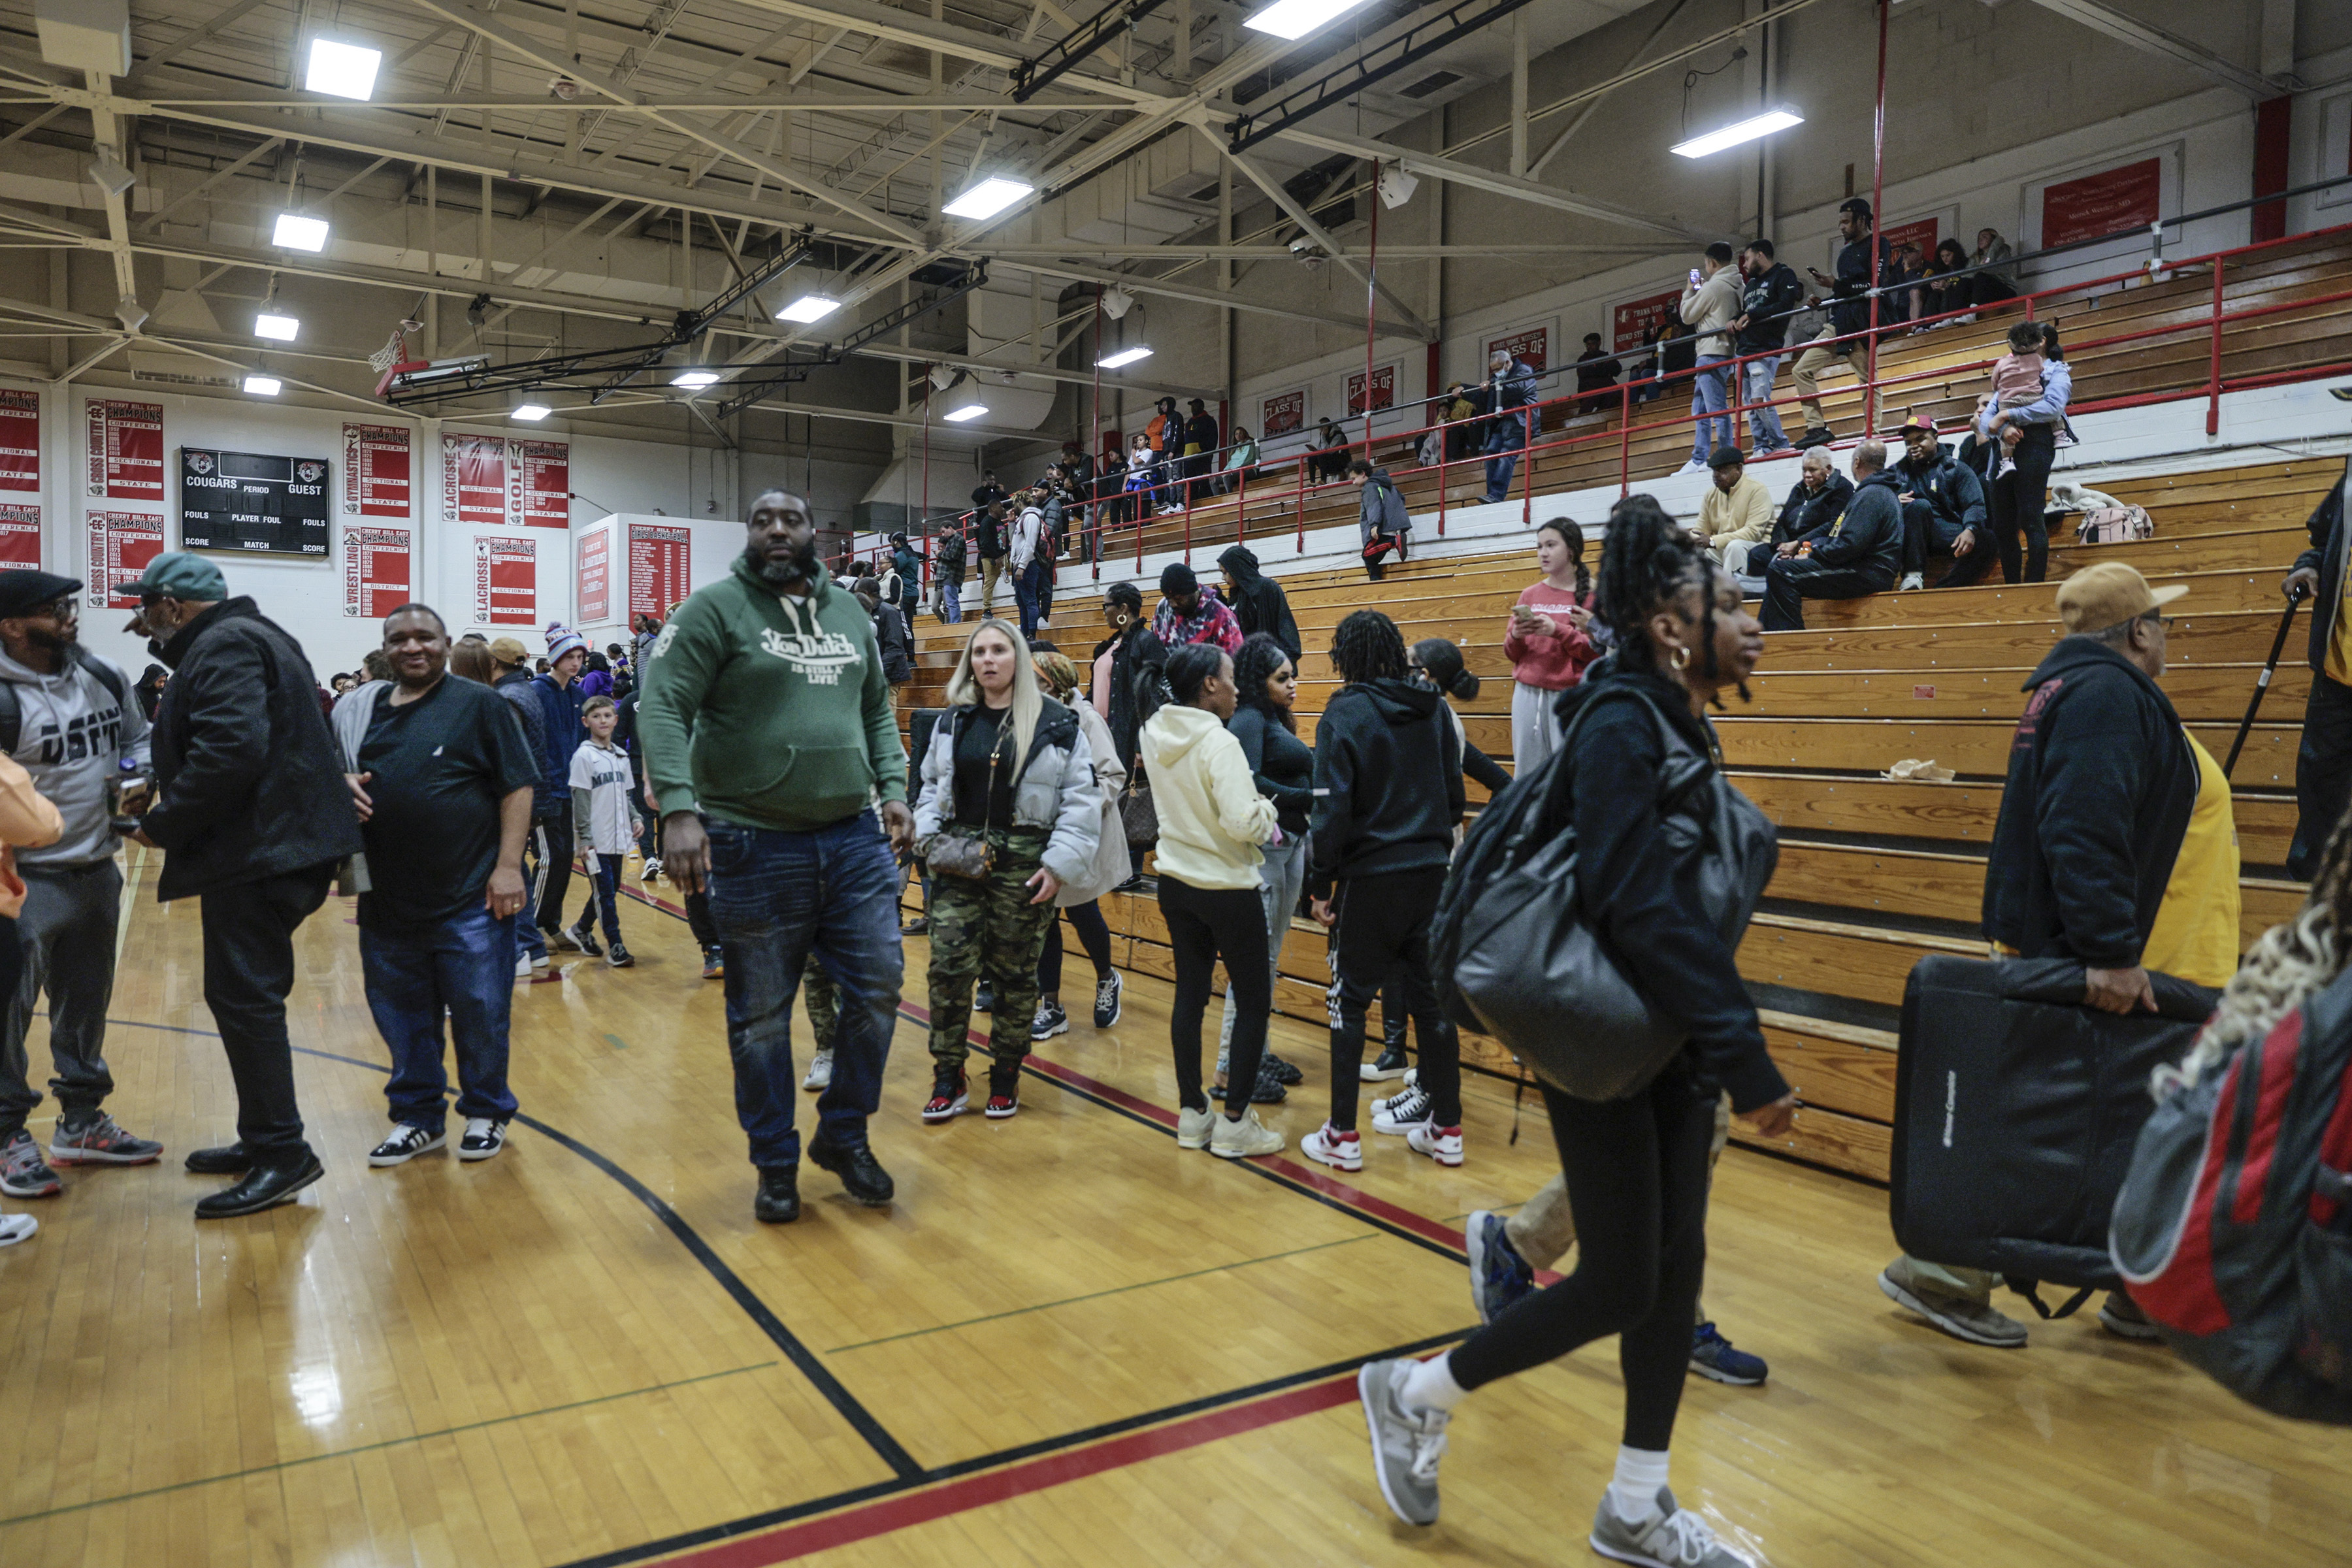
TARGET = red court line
x,y
856,1524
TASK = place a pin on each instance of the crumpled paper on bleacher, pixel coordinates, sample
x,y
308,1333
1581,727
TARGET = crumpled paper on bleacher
x,y
1915,770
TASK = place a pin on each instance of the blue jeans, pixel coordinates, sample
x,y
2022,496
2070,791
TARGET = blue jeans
x,y
604,879
1503,448
1710,396
775,896
463,968
1763,424
1025,593
951,600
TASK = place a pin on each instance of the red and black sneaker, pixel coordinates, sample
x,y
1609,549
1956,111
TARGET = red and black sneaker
x,y
950,1097
1003,1095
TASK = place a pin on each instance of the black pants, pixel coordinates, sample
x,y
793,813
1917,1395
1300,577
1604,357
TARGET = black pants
x,y
1380,937
1637,1173
1924,530
1205,924
2323,772
1094,935
698,920
559,866
1791,579
249,970
2014,502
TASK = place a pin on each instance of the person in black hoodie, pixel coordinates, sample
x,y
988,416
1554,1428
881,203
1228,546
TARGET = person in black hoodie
x,y
253,810
1636,1168
1769,295
1857,554
1850,313
1388,793
1814,501
1943,504
1138,683
1282,766
2323,765
1258,602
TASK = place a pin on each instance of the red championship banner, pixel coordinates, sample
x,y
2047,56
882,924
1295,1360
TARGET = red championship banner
x,y
506,582
595,575
1383,389
1282,415
121,545
1631,320
20,535
2113,201
1530,347
474,480
375,571
538,484
126,450
20,440
659,568
377,472
1921,232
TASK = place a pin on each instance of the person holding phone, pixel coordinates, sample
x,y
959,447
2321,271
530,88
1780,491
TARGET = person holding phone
x,y
1549,640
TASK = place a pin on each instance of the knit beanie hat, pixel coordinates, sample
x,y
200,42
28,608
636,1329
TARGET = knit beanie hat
x,y
562,639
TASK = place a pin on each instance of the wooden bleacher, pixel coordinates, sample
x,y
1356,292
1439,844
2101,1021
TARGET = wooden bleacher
x,y
1875,874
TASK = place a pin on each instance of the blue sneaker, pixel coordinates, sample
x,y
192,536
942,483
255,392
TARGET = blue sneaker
x,y
1498,1275
1712,1357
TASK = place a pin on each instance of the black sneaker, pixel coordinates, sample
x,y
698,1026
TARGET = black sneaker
x,y
950,1095
484,1136
1050,1020
583,940
1107,991
404,1145
1392,1064
983,997
920,926
1814,436
1004,1094
778,1201
862,1176
619,957
1268,1090
1282,1070
714,962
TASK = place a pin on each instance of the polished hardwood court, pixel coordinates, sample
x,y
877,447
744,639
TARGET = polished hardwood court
x,y
1067,1342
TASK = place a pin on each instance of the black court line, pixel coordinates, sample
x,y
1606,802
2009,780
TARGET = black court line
x,y
860,1419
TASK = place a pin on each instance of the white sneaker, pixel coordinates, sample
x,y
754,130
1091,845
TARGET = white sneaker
x,y
522,966
652,871
1196,1128
1341,1150
1400,1114
1246,1138
1911,579
1696,466
1442,1144
404,1144
820,1072
483,1138
16,1227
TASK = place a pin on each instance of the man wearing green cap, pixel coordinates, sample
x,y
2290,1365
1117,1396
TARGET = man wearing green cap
x,y
252,809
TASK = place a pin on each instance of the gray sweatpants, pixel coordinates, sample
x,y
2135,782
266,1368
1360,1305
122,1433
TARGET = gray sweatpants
x,y
66,932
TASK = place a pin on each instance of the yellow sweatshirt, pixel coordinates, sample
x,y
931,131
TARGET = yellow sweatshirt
x,y
1211,818
29,821
1746,513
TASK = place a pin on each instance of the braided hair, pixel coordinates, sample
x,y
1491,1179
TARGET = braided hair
x,y
1367,647
1260,656
1648,561
1573,537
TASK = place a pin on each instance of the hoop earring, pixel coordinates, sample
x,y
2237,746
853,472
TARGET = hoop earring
x,y
1681,658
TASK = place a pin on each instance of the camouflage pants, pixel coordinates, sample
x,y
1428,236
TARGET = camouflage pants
x,y
824,1002
988,926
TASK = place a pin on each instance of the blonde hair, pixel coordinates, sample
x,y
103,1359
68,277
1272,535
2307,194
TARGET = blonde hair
x,y
1028,701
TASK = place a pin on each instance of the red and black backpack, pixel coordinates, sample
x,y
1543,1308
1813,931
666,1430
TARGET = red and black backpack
x,y
2233,1230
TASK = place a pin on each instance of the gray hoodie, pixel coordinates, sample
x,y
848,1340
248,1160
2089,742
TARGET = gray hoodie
x,y
72,736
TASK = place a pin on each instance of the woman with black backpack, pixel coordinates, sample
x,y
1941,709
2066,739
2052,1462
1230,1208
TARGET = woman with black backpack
x,y
1636,1166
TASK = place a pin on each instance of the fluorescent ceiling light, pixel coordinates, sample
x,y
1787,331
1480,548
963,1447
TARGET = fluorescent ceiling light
x,y
532,413
262,385
281,328
342,71
1296,18
969,411
1764,124
1124,356
809,307
988,199
295,232
694,378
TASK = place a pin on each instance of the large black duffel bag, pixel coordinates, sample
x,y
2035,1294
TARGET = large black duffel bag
x,y
2016,1107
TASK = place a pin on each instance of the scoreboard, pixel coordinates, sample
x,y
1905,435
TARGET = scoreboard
x,y
245,501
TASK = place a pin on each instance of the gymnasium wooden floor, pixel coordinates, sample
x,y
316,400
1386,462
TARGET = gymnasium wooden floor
x,y
1067,1344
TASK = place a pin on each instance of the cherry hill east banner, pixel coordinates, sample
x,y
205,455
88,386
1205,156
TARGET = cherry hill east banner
x,y
538,484
376,570
376,470
1629,320
595,575
20,535
506,582
1383,389
2113,201
126,451
660,562
1531,348
121,545
474,480
1284,412
20,440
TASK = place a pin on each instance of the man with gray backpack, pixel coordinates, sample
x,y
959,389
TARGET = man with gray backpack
x,y
1381,521
67,715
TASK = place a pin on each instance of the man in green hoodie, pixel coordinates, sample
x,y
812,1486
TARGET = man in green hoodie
x,y
772,750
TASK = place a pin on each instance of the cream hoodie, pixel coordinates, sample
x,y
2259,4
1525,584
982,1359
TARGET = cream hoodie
x,y
1211,818
29,821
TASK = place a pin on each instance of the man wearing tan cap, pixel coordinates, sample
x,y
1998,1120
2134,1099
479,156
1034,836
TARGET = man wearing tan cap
x,y
2115,846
